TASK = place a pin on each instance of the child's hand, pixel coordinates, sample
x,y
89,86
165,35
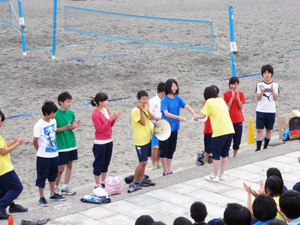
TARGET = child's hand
x,y
195,118
20,140
262,88
69,126
182,119
140,106
118,115
232,95
237,95
76,123
113,116
147,107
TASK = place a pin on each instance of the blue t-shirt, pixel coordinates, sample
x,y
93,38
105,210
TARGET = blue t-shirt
x,y
172,105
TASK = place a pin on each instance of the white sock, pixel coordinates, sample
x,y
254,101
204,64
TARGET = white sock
x,y
65,185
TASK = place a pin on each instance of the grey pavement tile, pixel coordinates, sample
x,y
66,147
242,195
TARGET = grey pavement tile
x,y
211,197
167,219
281,166
237,194
208,185
170,209
77,219
238,183
245,175
182,188
253,168
292,178
142,200
172,197
119,219
293,154
128,208
214,211
98,213
284,159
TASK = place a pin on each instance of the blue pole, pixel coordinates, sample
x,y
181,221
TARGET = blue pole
x,y
233,47
54,29
22,25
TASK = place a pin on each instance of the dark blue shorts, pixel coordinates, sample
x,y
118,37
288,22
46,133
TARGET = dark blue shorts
x,y
207,140
46,168
143,152
237,136
265,120
102,155
220,146
65,157
168,147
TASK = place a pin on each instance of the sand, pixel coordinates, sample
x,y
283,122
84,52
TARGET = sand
x,y
267,32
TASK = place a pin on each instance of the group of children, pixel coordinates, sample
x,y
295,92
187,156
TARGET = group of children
x,y
55,142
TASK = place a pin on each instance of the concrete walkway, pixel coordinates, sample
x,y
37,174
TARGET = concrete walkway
x,y
173,195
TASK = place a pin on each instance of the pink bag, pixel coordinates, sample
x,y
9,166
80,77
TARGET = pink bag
x,y
113,185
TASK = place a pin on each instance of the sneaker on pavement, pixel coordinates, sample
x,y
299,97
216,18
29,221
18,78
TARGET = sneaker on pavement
x,y
222,177
56,197
17,209
154,168
170,172
212,178
4,215
143,183
165,173
43,202
57,190
134,186
68,191
159,167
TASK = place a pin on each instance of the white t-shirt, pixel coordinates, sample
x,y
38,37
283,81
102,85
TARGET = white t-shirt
x,y
47,141
267,103
155,106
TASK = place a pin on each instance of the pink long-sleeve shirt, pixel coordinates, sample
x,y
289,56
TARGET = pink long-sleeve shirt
x,y
103,126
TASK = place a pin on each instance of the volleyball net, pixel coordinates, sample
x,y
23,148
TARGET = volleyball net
x,y
5,12
182,33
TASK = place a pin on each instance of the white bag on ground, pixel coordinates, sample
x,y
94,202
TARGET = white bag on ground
x,y
113,185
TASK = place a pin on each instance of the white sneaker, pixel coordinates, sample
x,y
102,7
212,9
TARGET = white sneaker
x,y
222,177
212,178
67,191
57,190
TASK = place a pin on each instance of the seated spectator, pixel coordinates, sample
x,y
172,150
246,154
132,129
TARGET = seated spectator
x,y
290,206
236,214
276,172
144,220
264,209
198,213
182,221
276,222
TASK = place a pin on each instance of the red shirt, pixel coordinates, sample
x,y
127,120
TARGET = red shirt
x,y
103,126
235,112
207,124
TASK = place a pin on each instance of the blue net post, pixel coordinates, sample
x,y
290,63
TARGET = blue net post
x,y
54,29
233,47
22,25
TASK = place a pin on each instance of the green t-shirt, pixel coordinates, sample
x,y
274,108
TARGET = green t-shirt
x,y
65,140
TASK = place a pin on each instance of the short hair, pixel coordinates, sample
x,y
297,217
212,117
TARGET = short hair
x,y
182,221
198,211
276,222
233,80
158,223
168,89
210,92
289,203
161,87
48,108
268,68
2,116
141,94
274,171
144,220
236,214
216,87
100,97
275,185
264,207
63,97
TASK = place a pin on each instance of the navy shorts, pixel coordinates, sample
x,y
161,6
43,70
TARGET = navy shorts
x,y
207,140
143,152
168,147
265,120
237,136
46,168
65,157
220,146
102,155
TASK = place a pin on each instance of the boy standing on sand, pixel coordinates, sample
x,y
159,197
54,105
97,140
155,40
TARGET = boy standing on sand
x,y
155,108
10,184
140,117
44,142
267,92
66,142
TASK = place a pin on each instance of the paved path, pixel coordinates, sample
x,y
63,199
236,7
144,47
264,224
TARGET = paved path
x,y
174,194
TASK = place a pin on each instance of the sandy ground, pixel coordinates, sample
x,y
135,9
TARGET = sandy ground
x,y
267,32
